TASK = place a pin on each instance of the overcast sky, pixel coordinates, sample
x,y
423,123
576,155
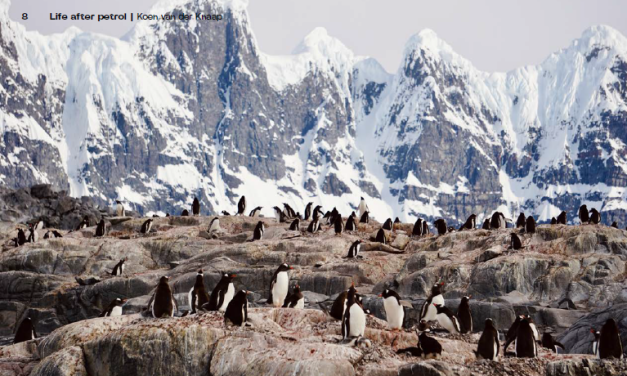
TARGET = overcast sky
x,y
496,35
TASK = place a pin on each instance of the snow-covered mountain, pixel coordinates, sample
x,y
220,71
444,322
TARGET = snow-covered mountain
x,y
182,109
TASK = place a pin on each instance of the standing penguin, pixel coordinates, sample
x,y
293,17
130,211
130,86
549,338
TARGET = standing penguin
x,y
39,225
486,224
32,236
471,223
354,319
314,225
118,269
354,249
101,229
258,233
295,300
520,222
163,303
362,208
440,225
84,224
222,294
431,348
25,332
417,230
198,296
279,285
237,310
365,218
196,207
185,213
387,225
255,212
338,224
595,217
214,225
447,319
553,221
308,211
561,219
428,311
295,226
510,336
119,208
21,237
114,308
464,315
515,242
241,206
279,215
530,227
425,228
614,224
381,238
394,312
548,342
595,342
610,345
146,226
350,224
339,306
488,347
584,216
525,344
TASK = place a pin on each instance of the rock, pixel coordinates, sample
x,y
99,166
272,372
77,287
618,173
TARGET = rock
x,y
489,255
401,241
65,362
577,338
586,367
428,368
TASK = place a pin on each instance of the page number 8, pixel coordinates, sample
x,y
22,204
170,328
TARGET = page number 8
x,y
24,16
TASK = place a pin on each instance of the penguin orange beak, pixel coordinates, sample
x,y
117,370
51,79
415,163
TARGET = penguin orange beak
x,y
380,295
291,267
233,275
441,283
247,292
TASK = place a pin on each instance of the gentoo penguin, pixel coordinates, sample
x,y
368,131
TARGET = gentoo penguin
x,y
486,224
610,345
470,224
339,305
21,237
534,328
48,235
317,212
561,219
259,229
362,208
354,249
488,347
525,344
25,332
255,212
365,218
32,235
614,224
350,224
595,342
222,294
241,206
511,332
396,224
314,225
237,310
118,269
295,299
425,228
431,348
214,225
185,213
584,217
515,242
196,207
521,221
447,319
101,229
155,215
224,213
553,221
308,211
595,217
119,209
295,226
440,225
279,285
548,342
338,225
464,315
289,212
84,224
530,227
394,312
56,234
146,226
163,303
354,319
197,296
498,221
387,225
417,230
428,311
381,238
279,215
39,225
114,308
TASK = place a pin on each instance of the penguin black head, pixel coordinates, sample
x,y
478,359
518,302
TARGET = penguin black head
x,y
296,289
284,267
397,220
228,276
362,198
423,326
118,202
437,288
489,323
164,279
119,301
466,299
200,273
386,294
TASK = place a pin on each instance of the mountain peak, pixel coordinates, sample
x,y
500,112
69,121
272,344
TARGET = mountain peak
x,y
428,41
600,35
318,41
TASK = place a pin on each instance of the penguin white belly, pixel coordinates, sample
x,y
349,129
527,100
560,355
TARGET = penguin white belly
x,y
116,311
431,314
120,210
300,304
447,323
534,329
215,225
362,208
438,299
496,349
190,295
393,312
357,321
228,296
121,269
279,290
152,308
595,349
173,308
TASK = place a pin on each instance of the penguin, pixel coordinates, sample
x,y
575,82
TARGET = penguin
x,y
241,206
425,228
447,319
486,224
146,226
440,225
488,347
548,342
413,351
365,217
381,238
279,215
114,308
25,332
510,336
224,213
32,235
308,211
317,212
237,310
338,224
498,221
118,269
610,345
339,305
387,225
196,207
101,230
48,235
163,303
197,296
295,226
295,299
525,344
595,342
258,233
431,348
21,237
354,319
396,224
530,227
394,312
553,221
56,234
521,221
119,208
155,216
464,315
350,224
222,294
471,223
84,224
362,208
214,225
614,224
561,219
255,212
534,329
289,212
428,311
584,217
331,218
39,225
417,230
185,213
353,251
595,217
314,226
279,285
515,242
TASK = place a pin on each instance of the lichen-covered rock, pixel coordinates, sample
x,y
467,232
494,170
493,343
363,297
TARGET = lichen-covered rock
x,y
68,361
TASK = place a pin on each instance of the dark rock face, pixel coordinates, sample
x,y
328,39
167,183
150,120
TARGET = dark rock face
x,y
578,339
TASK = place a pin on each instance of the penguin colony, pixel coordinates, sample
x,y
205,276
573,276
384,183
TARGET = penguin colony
x,y
348,306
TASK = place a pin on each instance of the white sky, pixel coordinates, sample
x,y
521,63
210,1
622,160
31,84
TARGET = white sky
x,y
496,35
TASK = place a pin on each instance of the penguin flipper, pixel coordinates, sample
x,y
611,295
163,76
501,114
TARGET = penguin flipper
x,y
220,298
324,309
560,345
194,301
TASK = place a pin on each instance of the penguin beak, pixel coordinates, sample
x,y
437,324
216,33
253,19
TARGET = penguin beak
x,y
233,275
291,267
247,292
380,295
